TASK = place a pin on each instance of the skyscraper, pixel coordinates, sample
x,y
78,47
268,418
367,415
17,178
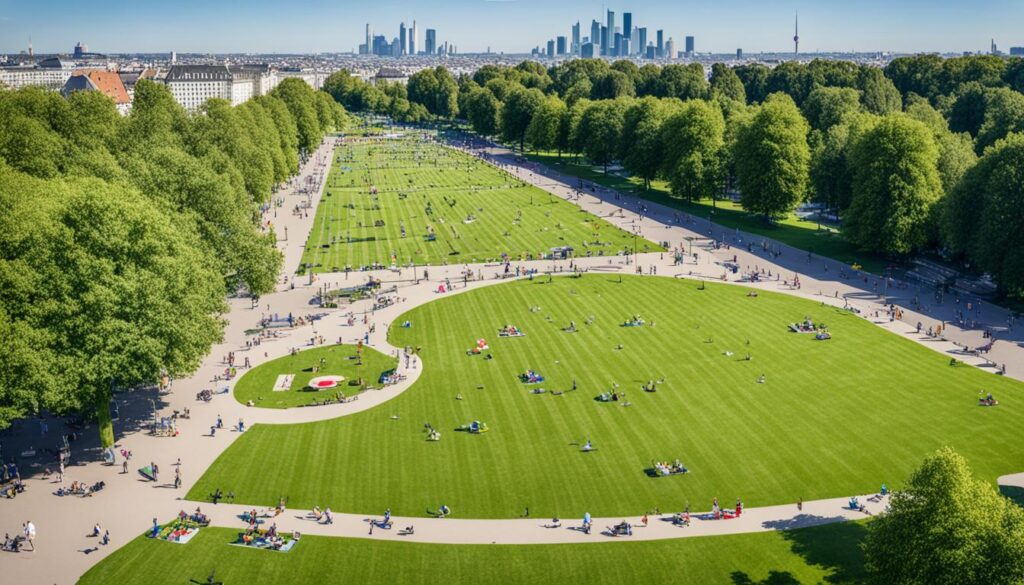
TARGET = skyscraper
x,y
627,30
610,37
575,38
604,40
739,53
551,48
670,49
595,35
660,46
587,51
414,39
617,46
689,46
403,43
641,41
560,45
369,39
430,44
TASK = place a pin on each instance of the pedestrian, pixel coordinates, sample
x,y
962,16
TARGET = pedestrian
x,y
30,533
644,520
800,505
177,478
156,470
124,466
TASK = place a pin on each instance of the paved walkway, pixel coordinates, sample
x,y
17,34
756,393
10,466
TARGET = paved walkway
x,y
127,505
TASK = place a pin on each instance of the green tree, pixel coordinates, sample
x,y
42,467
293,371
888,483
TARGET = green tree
x,y
946,528
517,112
612,85
691,141
827,106
878,94
896,183
118,290
640,148
600,130
542,133
483,111
772,158
686,82
755,81
297,95
1004,113
989,205
792,79
726,83
968,111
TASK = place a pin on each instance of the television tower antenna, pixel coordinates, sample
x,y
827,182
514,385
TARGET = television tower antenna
x,y
796,36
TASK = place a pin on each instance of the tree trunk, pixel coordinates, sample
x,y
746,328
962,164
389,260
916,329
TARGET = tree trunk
x,y
103,421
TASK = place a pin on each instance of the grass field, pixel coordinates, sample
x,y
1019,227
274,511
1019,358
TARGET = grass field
x,y
339,360
834,418
811,555
475,211
792,230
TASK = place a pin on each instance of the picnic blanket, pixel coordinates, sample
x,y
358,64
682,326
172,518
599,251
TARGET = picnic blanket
x,y
284,382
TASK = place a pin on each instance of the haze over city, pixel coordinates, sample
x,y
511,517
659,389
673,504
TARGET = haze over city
x,y
511,26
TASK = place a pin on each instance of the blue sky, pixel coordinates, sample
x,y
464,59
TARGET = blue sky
x,y
504,25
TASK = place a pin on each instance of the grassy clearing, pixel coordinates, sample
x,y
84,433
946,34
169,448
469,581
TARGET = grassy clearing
x,y
792,230
833,418
338,360
810,555
475,212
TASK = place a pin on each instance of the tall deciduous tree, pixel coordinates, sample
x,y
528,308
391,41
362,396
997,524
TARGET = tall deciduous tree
x,y
542,133
827,106
600,130
641,147
772,158
946,528
896,183
517,112
726,83
878,94
692,139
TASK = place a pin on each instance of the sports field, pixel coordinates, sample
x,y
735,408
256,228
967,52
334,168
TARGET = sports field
x,y
832,418
810,555
404,200
258,384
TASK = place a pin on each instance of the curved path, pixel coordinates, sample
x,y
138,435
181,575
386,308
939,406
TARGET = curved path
x,y
63,522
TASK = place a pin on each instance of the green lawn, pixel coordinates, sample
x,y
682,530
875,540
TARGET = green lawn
x,y
792,231
834,418
339,360
476,212
828,554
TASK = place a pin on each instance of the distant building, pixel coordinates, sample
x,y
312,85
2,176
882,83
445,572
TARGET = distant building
x,y
627,31
689,46
81,49
587,51
616,50
414,39
660,47
575,48
106,82
652,51
625,47
1017,51
192,85
403,42
739,53
130,78
390,75
595,35
604,40
551,48
51,73
560,45
670,49
430,45
641,40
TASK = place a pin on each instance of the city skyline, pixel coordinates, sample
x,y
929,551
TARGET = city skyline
x,y
509,26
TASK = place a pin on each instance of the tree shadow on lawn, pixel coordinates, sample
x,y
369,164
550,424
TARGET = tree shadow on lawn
x,y
835,547
1015,493
773,578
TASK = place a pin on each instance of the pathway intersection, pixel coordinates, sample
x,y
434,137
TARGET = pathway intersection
x,y
127,505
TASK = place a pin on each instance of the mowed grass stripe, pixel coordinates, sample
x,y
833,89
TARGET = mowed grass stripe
x,y
834,418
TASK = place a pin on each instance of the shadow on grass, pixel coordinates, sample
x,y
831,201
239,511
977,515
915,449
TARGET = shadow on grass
x,y
1015,493
773,578
834,547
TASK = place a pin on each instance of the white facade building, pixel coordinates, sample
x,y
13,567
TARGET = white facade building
x,y
192,85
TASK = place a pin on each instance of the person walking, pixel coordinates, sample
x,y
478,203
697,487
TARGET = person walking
x,y
30,533
177,477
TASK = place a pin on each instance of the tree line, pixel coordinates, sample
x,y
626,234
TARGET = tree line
x,y
121,236
910,157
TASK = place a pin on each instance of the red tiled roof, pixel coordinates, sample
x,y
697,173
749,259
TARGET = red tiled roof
x,y
108,82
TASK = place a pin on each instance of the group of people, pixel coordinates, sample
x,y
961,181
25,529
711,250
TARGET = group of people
x,y
663,468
